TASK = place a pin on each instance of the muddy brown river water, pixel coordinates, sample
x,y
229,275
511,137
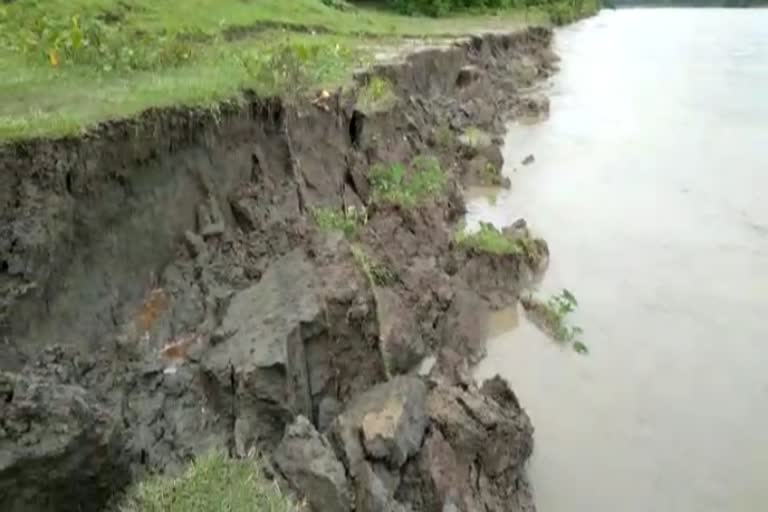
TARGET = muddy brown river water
x,y
651,185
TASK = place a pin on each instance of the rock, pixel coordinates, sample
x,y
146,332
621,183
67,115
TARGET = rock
x,y
259,358
387,423
474,454
464,326
374,494
59,448
489,425
307,460
399,338
528,160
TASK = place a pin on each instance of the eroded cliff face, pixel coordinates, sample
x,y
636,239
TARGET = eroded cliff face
x,y
164,291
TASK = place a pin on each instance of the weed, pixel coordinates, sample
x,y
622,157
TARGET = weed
x,y
378,274
213,482
347,221
492,172
291,67
377,95
408,187
444,136
552,316
83,40
488,238
475,138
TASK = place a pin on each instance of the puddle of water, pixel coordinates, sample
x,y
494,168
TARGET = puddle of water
x,y
650,175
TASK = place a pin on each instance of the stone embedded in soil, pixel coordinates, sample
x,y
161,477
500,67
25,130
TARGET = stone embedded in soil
x,y
59,447
464,326
385,423
474,454
260,350
308,462
399,338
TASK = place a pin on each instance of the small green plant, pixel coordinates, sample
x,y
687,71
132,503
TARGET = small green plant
x,y
377,273
408,187
292,67
553,315
444,136
488,238
475,138
377,95
347,221
213,482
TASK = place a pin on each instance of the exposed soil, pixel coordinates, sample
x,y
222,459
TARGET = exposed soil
x,y
164,291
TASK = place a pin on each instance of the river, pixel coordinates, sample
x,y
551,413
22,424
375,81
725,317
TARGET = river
x,y
651,186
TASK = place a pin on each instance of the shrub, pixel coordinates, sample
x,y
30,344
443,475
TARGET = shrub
x,y
407,187
214,482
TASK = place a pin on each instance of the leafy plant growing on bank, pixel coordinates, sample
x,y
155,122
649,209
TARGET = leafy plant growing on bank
x,y
553,316
347,221
292,67
407,186
212,483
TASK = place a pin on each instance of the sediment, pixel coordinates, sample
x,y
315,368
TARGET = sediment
x,y
164,291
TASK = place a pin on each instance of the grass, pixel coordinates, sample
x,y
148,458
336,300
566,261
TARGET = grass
x,y
213,483
410,186
347,222
553,316
489,239
66,65
377,95
377,273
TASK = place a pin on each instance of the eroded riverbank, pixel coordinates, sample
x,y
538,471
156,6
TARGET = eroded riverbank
x,y
167,290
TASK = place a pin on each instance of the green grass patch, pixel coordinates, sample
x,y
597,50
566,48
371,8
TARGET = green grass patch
x,y
553,316
408,186
213,483
377,95
66,65
377,273
489,239
348,221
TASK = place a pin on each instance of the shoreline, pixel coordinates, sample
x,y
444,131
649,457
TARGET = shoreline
x,y
178,259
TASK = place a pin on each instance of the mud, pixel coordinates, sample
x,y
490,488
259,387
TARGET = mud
x,y
164,275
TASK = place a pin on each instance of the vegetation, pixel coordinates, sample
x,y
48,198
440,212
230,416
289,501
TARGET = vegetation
x,y
377,273
378,94
66,65
489,239
347,221
553,315
214,482
407,186
559,11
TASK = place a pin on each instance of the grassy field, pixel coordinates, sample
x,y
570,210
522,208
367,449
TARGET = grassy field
x,y
66,65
